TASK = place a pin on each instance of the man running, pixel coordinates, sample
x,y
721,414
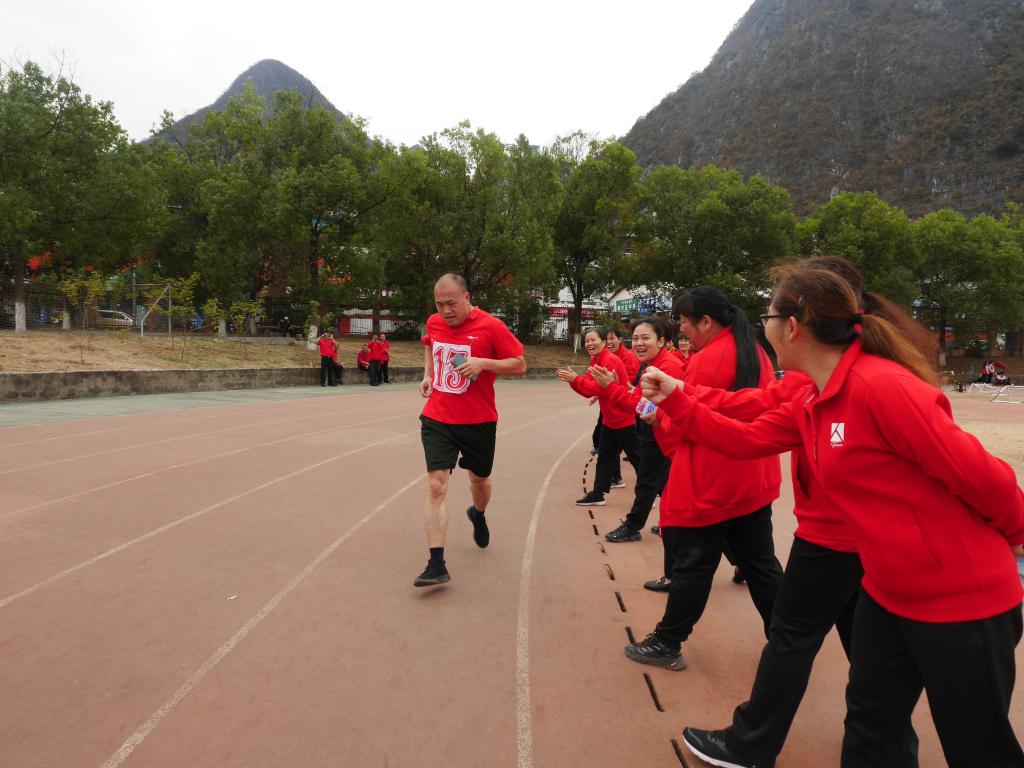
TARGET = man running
x,y
465,349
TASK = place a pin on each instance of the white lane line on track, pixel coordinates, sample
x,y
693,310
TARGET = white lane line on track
x,y
247,409
217,457
144,475
218,656
181,520
524,705
290,418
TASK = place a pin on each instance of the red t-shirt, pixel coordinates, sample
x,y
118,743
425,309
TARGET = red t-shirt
x,y
363,358
454,399
630,361
327,347
385,354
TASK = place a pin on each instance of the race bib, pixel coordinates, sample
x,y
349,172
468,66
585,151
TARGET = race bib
x,y
446,378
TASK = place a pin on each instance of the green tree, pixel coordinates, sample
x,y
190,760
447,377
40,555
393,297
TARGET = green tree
x,y
70,182
948,272
872,234
709,227
594,218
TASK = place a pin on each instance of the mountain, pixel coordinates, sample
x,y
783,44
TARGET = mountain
x,y
921,101
268,77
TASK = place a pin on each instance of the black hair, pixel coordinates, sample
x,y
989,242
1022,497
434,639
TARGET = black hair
x,y
612,329
705,300
660,327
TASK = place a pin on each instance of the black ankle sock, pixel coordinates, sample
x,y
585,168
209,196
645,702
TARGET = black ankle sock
x,y
478,511
437,555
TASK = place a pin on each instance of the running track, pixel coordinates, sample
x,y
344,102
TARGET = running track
x,y
232,586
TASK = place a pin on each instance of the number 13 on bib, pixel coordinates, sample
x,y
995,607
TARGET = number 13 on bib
x,y
446,378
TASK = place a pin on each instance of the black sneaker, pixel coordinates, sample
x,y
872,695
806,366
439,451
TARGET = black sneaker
x,y
433,575
660,584
481,535
617,483
713,747
592,499
652,651
737,576
655,530
622,533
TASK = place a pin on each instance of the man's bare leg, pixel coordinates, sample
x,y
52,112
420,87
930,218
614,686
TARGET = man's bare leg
x,y
480,489
435,515
436,509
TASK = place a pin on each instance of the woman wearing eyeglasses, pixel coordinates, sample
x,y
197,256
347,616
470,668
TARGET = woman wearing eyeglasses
x,y
935,518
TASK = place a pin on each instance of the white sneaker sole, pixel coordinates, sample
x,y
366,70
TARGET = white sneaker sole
x,y
711,760
590,503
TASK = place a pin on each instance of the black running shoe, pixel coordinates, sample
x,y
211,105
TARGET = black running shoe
x,y
622,533
660,584
737,576
713,747
481,535
655,529
592,499
433,575
617,482
652,651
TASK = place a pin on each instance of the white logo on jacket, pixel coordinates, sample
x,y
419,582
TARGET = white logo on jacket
x,y
838,434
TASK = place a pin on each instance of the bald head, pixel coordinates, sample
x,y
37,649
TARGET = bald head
x,y
453,277
452,299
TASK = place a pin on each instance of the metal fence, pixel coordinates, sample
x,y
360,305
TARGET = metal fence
x,y
143,310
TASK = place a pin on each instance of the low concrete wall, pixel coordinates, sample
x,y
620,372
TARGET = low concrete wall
x,y
68,385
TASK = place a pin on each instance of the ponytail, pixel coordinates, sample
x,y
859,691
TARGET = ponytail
x,y
705,300
830,308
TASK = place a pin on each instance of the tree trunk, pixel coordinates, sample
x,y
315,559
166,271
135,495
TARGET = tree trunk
x,y
222,327
20,324
942,329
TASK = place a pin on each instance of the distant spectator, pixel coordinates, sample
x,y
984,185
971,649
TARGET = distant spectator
x,y
376,355
363,359
385,351
328,352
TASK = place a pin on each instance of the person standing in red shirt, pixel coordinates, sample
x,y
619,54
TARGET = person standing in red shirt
x,y
936,519
385,358
650,336
328,352
465,349
618,432
376,355
711,501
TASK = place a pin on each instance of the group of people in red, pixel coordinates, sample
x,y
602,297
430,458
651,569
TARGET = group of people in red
x,y
374,357
906,526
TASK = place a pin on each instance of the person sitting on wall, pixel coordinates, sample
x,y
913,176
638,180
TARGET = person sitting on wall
x,y
363,359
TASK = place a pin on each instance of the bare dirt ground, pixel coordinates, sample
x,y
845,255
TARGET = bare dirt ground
x,y
116,351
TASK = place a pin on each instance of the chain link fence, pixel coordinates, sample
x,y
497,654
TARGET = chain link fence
x,y
144,309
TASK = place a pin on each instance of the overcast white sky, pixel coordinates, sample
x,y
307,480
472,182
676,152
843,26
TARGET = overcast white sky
x,y
410,68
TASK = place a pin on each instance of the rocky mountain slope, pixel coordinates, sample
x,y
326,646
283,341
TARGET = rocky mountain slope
x,y
919,100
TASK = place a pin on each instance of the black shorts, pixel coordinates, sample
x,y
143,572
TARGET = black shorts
x,y
442,444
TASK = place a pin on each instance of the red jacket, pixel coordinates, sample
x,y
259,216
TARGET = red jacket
x,y
706,486
818,518
630,361
385,351
626,398
363,358
376,352
933,513
612,416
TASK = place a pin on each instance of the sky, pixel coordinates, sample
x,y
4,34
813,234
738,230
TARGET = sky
x,y
544,69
